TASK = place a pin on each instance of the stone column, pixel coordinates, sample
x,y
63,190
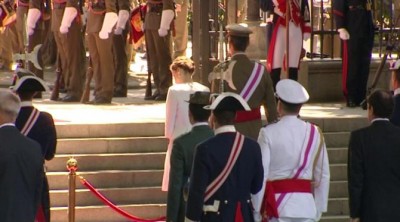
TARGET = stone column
x,y
257,49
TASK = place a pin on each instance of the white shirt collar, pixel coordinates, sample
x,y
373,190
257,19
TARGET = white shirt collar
x,y
225,129
379,119
26,103
397,91
200,124
7,124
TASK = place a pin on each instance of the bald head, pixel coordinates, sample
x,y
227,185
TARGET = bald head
x,y
9,106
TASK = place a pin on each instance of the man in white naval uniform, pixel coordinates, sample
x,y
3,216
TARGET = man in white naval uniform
x,y
295,161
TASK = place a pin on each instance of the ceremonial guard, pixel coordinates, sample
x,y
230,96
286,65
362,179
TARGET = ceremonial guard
x,y
247,78
34,10
157,24
279,53
295,160
395,117
182,155
101,19
67,28
119,46
9,38
36,125
356,29
227,168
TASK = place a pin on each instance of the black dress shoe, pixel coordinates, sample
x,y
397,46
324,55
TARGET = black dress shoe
x,y
152,97
70,98
120,94
351,104
101,100
161,97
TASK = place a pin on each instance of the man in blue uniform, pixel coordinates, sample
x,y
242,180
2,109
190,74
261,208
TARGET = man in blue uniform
x,y
36,125
227,168
395,117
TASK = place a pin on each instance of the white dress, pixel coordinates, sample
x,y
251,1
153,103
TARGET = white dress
x,y
177,118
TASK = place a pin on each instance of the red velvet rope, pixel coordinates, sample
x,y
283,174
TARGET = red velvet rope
x,y
116,208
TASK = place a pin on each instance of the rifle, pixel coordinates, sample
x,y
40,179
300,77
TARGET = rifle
x,y
57,83
149,91
89,75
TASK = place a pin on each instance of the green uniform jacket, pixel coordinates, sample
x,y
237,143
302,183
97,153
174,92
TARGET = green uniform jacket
x,y
181,165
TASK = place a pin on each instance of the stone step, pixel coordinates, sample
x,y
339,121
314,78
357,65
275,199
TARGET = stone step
x,y
106,161
108,179
338,189
337,139
337,155
112,145
338,172
119,196
106,214
337,207
141,129
335,219
336,124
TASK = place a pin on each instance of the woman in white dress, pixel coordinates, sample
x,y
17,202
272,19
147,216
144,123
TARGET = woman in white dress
x,y
177,114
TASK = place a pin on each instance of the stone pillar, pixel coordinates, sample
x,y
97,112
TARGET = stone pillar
x,y
257,49
253,10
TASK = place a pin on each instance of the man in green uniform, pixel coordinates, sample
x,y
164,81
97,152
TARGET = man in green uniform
x,y
249,79
182,154
181,28
67,29
120,55
101,19
159,16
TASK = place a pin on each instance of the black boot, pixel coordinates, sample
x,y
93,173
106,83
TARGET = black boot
x,y
275,76
293,73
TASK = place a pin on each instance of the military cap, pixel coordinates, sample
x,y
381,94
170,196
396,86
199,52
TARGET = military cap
x,y
291,91
26,81
395,65
238,30
199,97
228,101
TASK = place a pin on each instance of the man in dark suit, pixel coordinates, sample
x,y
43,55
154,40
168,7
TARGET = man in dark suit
x,y
227,168
36,125
182,154
21,166
374,166
395,67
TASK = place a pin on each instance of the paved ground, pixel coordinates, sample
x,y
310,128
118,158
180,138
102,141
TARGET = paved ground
x,y
135,109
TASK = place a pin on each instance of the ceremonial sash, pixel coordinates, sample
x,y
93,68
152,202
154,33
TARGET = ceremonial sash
x,y
221,178
30,122
244,116
290,185
252,82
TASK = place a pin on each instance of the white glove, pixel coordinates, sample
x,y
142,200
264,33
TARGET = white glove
x,y
306,36
166,18
123,16
343,34
69,16
257,216
33,16
108,23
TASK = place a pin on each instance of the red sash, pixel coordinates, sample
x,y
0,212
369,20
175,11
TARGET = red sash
x,y
244,116
282,186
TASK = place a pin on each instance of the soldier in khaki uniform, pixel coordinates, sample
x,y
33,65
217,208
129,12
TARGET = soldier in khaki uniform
x,y
67,28
119,43
33,10
248,79
101,19
159,16
181,28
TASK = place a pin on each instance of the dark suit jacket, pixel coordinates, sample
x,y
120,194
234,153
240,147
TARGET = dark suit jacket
x,y
374,172
181,165
245,178
21,170
395,118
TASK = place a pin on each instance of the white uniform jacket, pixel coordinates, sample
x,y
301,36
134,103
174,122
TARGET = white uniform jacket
x,y
284,146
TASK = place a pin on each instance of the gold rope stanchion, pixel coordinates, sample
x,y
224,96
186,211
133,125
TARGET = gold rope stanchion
x,y
72,166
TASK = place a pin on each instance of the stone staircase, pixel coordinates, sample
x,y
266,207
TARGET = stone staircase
x,y
125,163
